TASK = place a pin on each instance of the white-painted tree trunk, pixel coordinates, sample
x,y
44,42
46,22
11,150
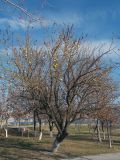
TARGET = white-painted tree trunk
x,y
98,132
56,145
6,133
28,134
51,134
109,138
110,142
104,135
40,136
59,139
109,134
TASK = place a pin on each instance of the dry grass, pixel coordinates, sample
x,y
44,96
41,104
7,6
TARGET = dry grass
x,y
77,144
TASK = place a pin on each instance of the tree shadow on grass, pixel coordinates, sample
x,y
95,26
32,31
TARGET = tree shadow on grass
x,y
9,157
86,137
25,147
22,144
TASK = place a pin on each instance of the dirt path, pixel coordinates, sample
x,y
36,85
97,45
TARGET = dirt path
x,y
112,156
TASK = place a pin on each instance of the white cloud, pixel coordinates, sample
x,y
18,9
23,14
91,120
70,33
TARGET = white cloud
x,y
17,23
103,44
106,45
20,23
68,18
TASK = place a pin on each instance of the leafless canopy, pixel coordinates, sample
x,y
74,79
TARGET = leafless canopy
x,y
60,79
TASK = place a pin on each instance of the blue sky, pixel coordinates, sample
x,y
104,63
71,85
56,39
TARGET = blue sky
x,y
99,19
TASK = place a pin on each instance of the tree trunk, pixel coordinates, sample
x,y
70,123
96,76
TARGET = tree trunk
x,y
98,131
102,125
6,133
40,125
22,131
34,122
28,133
58,140
40,136
51,125
40,129
19,124
110,142
104,135
109,133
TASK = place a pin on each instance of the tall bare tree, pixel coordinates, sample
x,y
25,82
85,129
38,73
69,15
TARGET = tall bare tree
x,y
59,78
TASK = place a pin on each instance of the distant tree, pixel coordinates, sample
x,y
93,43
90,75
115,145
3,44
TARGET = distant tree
x,y
5,111
106,93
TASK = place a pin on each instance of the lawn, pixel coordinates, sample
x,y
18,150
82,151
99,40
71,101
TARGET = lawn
x,y
75,145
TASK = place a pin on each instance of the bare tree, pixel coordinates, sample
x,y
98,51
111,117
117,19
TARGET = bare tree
x,y
59,78
5,111
106,94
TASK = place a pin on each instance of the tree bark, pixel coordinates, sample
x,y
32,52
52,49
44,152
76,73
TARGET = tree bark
x,y
109,133
19,124
40,136
104,135
58,140
6,133
40,125
28,134
51,125
34,122
40,129
98,131
102,125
